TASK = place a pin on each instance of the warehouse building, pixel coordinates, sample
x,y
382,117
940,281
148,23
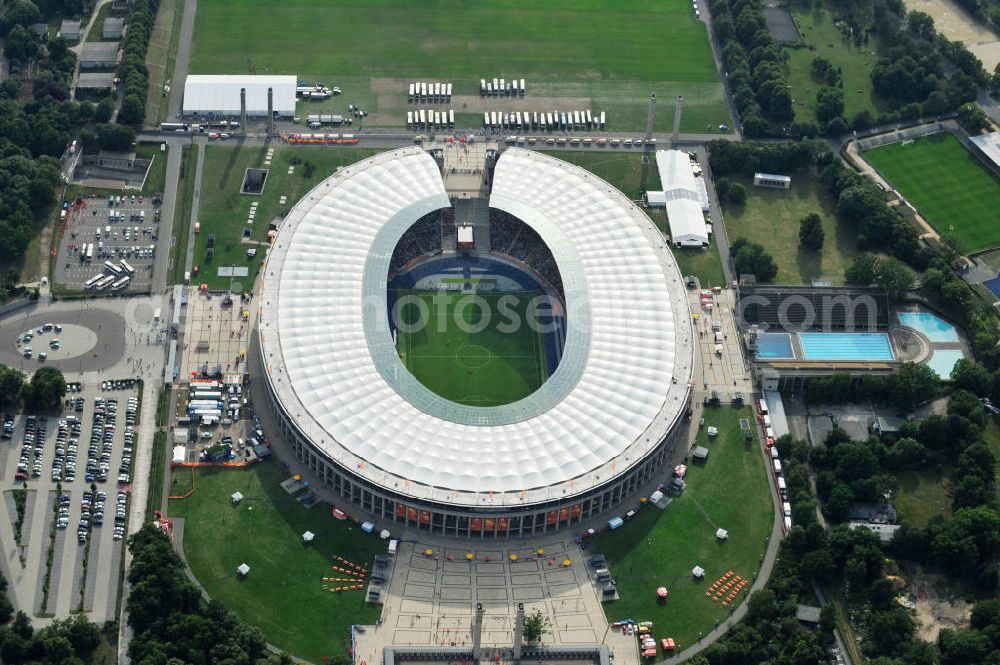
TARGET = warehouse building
x,y
99,55
219,95
70,31
96,82
113,28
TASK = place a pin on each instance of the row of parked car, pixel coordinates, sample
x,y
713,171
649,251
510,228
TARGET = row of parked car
x,y
33,443
67,438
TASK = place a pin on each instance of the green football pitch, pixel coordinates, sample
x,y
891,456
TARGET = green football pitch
x,y
947,184
465,359
605,55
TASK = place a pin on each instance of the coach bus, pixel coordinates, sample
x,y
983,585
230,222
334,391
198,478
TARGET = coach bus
x,y
104,283
121,283
90,283
127,268
113,268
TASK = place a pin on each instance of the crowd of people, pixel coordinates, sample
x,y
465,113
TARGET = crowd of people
x,y
424,237
514,238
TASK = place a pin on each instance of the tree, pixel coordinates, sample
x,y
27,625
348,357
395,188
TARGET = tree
x,y
893,275
21,45
829,103
861,272
133,111
104,110
811,234
749,258
535,626
11,382
46,390
910,385
722,186
973,118
737,194
115,137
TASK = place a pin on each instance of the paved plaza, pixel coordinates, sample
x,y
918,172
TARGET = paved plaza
x,y
431,599
215,335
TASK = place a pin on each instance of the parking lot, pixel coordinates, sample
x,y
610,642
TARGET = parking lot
x,y
54,460
97,230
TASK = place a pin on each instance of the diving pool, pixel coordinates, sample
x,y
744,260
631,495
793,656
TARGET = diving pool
x,y
943,361
774,345
934,328
845,346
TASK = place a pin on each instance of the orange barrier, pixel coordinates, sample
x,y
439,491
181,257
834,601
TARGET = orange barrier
x,y
199,465
189,493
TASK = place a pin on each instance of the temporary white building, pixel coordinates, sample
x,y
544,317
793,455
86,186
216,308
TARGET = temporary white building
x,y
210,94
683,202
243,569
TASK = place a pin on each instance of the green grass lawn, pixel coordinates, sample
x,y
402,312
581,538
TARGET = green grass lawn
x,y
95,30
627,173
223,211
661,547
771,218
487,367
160,57
282,595
825,40
182,213
598,54
157,176
947,184
921,496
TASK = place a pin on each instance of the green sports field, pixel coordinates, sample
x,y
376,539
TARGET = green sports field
x,y
947,184
599,54
475,363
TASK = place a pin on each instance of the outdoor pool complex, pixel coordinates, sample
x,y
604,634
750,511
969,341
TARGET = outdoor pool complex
x,y
933,327
943,361
846,346
825,346
774,345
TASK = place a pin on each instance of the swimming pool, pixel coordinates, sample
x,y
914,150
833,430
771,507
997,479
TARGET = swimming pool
x,y
774,345
934,328
943,361
846,346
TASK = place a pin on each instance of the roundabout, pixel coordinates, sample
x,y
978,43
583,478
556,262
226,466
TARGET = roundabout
x,y
89,340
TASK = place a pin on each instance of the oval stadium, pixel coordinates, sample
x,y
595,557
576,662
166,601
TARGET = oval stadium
x,y
475,343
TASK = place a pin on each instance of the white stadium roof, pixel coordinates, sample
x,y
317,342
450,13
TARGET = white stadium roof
x,y
220,94
989,144
685,201
620,387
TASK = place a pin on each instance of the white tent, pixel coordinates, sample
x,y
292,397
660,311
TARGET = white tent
x,y
243,569
713,431
220,94
683,199
385,534
721,534
236,497
179,453
698,572
308,536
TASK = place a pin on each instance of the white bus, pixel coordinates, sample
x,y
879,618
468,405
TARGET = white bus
x,y
590,120
120,283
451,117
409,119
113,269
126,267
602,119
522,88
482,87
448,93
105,283
411,92
90,252
90,283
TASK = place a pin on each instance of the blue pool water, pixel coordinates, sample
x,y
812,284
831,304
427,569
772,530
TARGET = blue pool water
x,y
936,329
943,361
774,345
845,346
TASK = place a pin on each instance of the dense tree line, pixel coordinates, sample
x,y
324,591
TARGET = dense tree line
x,y
911,385
729,158
172,624
133,72
754,67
